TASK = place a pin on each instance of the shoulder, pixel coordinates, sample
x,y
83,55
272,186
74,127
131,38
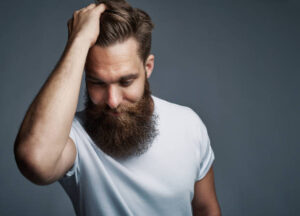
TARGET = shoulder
x,y
178,112
167,106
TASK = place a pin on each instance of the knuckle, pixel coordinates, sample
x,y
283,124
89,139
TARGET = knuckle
x,y
93,11
69,22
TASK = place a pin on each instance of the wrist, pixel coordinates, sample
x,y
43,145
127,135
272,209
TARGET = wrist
x,y
79,41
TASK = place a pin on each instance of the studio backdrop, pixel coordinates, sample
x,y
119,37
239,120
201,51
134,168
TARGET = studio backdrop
x,y
236,63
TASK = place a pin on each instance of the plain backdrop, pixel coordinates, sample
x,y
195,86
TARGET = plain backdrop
x,y
236,63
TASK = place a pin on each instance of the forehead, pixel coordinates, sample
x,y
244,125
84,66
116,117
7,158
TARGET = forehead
x,y
115,60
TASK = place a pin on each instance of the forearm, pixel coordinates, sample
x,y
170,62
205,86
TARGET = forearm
x,y
45,128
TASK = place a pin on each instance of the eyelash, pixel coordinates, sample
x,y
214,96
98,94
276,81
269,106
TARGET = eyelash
x,y
126,83
97,83
123,83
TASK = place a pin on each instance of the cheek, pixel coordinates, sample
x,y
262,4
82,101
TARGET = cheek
x,y
96,94
134,93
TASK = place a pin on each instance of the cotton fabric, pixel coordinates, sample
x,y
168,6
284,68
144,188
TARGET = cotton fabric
x,y
159,182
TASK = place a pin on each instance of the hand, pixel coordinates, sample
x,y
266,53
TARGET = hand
x,y
85,23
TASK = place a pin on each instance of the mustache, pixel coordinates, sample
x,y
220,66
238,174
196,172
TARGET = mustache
x,y
105,110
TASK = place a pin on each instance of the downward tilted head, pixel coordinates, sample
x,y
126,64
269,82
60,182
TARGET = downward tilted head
x,y
120,21
119,107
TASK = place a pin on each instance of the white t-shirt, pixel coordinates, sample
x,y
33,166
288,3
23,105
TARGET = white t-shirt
x,y
159,182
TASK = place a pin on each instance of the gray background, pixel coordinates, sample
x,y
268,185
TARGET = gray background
x,y
235,63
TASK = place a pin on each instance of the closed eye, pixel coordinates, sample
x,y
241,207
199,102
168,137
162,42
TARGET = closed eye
x,y
97,83
126,83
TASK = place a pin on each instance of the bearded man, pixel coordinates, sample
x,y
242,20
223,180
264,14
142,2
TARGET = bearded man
x,y
128,152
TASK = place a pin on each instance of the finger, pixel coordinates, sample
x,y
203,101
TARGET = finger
x,y
70,26
76,13
91,6
100,8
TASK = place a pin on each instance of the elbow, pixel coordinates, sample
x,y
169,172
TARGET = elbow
x,y
32,165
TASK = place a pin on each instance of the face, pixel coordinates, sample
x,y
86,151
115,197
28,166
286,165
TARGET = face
x,y
119,107
115,75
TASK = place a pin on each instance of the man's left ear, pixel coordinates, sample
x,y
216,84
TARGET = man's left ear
x,y
149,65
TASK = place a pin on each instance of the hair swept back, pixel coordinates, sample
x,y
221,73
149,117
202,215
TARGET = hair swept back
x,y
120,21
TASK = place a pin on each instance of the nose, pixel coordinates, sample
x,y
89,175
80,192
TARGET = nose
x,y
113,97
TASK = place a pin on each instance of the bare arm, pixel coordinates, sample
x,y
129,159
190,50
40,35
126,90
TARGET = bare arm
x,y
43,149
205,201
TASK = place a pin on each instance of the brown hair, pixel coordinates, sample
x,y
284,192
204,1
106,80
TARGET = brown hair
x,y
120,21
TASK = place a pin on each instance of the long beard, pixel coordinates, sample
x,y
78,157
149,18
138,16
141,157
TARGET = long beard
x,y
129,134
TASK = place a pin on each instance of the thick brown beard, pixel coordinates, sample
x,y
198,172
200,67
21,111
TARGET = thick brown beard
x,y
130,134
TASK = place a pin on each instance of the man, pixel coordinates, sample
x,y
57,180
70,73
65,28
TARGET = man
x,y
128,152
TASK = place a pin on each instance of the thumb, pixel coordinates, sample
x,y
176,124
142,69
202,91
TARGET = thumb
x,y
100,8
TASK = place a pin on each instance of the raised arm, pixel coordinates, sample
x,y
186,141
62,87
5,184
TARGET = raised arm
x,y
43,149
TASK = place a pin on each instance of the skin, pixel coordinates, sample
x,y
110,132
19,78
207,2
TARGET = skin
x,y
43,150
205,199
114,82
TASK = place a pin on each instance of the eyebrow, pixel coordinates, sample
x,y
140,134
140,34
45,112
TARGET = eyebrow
x,y
126,77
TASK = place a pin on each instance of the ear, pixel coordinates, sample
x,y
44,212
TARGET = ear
x,y
149,65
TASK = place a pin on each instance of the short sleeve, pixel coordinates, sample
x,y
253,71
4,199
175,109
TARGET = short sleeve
x,y
204,150
73,171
